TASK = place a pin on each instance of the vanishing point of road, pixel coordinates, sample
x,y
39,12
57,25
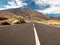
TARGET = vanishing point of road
x,y
29,34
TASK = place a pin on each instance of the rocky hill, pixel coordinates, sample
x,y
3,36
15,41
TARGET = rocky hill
x,y
25,12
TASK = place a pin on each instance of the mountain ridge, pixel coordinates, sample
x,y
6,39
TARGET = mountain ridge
x,y
25,12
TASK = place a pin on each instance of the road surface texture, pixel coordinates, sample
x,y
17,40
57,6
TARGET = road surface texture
x,y
17,35
29,34
48,35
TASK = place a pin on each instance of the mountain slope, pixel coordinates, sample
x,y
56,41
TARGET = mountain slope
x,y
25,12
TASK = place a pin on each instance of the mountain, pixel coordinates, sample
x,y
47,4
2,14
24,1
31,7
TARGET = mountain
x,y
25,12
55,18
6,14
53,15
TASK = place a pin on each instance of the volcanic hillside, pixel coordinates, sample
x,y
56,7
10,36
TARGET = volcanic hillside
x,y
25,12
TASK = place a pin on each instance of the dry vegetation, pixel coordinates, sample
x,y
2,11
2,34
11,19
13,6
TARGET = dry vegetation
x,y
12,21
19,19
13,16
50,22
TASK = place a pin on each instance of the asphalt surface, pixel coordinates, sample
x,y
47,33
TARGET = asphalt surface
x,y
17,35
48,35
23,34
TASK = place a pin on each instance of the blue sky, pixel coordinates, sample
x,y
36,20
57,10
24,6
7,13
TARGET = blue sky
x,y
41,4
3,2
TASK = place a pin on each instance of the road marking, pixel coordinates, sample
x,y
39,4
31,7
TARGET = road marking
x,y
33,25
36,36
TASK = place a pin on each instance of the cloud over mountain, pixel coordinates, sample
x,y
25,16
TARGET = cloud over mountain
x,y
11,4
33,4
44,6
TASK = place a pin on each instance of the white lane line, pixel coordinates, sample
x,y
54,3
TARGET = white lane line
x,y
33,25
36,36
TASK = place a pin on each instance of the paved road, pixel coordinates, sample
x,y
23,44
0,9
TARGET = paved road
x,y
22,34
29,34
48,35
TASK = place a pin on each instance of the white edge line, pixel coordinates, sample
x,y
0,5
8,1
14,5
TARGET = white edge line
x,y
36,36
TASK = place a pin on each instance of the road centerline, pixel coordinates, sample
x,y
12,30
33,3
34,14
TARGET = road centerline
x,y
36,36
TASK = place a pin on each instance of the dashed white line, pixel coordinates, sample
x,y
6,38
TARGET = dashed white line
x,y
33,25
36,36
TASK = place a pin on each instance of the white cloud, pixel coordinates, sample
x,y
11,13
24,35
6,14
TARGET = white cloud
x,y
55,7
57,10
13,4
2,8
54,2
37,1
40,2
18,2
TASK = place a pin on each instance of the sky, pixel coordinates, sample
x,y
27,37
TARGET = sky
x,y
54,5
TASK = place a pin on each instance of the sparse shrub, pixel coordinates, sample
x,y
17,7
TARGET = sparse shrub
x,y
5,23
22,21
11,21
16,22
